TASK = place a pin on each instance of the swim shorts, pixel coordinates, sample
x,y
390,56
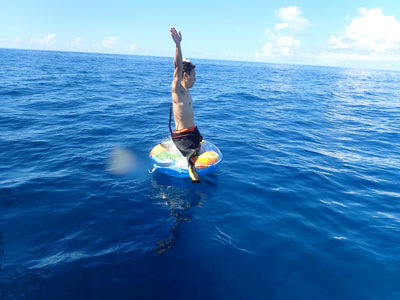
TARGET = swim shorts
x,y
187,141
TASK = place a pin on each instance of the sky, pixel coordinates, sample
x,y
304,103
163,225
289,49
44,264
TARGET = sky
x,y
359,34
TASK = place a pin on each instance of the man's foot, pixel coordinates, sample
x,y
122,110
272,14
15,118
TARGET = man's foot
x,y
193,173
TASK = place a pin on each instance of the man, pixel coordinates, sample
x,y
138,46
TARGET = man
x,y
186,136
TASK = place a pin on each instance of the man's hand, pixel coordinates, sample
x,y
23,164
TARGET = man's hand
x,y
176,35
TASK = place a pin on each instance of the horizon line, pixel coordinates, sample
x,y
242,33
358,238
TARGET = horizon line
x,y
200,58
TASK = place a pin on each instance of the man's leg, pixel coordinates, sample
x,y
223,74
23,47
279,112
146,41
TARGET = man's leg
x,y
189,148
193,171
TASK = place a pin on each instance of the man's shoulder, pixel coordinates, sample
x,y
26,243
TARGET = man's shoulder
x,y
176,87
179,89
181,95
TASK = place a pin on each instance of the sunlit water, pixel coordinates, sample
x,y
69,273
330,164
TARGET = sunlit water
x,y
305,205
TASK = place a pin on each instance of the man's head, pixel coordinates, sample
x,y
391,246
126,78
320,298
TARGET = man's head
x,y
188,74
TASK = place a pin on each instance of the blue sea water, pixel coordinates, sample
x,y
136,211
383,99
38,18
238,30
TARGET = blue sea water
x,y
305,205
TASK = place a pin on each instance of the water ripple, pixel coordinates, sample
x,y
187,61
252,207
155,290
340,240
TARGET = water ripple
x,y
308,190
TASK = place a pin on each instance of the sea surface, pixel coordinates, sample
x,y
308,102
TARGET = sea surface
x,y
305,205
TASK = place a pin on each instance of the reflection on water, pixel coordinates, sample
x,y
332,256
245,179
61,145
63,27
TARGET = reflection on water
x,y
180,196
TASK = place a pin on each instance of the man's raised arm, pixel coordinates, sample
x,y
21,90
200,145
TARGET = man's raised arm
x,y
177,37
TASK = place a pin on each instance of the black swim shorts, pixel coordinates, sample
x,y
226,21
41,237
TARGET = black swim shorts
x,y
187,141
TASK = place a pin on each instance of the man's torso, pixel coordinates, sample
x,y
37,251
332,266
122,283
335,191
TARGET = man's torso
x,y
183,109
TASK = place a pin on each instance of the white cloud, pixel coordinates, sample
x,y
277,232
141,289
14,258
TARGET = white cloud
x,y
372,36
132,48
78,40
291,19
358,57
281,26
109,42
76,43
46,41
16,40
279,44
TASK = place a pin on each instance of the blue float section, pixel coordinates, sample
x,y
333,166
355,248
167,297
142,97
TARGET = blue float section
x,y
179,172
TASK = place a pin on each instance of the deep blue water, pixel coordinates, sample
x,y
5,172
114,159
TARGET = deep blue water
x,y
305,205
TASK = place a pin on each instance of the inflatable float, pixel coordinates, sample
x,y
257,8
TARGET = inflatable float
x,y
167,159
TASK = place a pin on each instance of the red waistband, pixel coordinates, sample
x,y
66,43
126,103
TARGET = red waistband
x,y
185,129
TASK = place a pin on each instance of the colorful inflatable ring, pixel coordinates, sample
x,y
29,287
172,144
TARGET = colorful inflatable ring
x,y
166,158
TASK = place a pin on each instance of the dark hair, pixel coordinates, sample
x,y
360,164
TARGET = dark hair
x,y
188,67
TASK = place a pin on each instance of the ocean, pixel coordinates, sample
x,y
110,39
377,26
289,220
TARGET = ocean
x,y
305,205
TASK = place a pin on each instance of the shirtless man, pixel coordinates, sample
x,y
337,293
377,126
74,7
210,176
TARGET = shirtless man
x,y
186,136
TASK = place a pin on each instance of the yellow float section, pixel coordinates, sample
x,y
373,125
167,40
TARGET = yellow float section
x,y
157,150
205,159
